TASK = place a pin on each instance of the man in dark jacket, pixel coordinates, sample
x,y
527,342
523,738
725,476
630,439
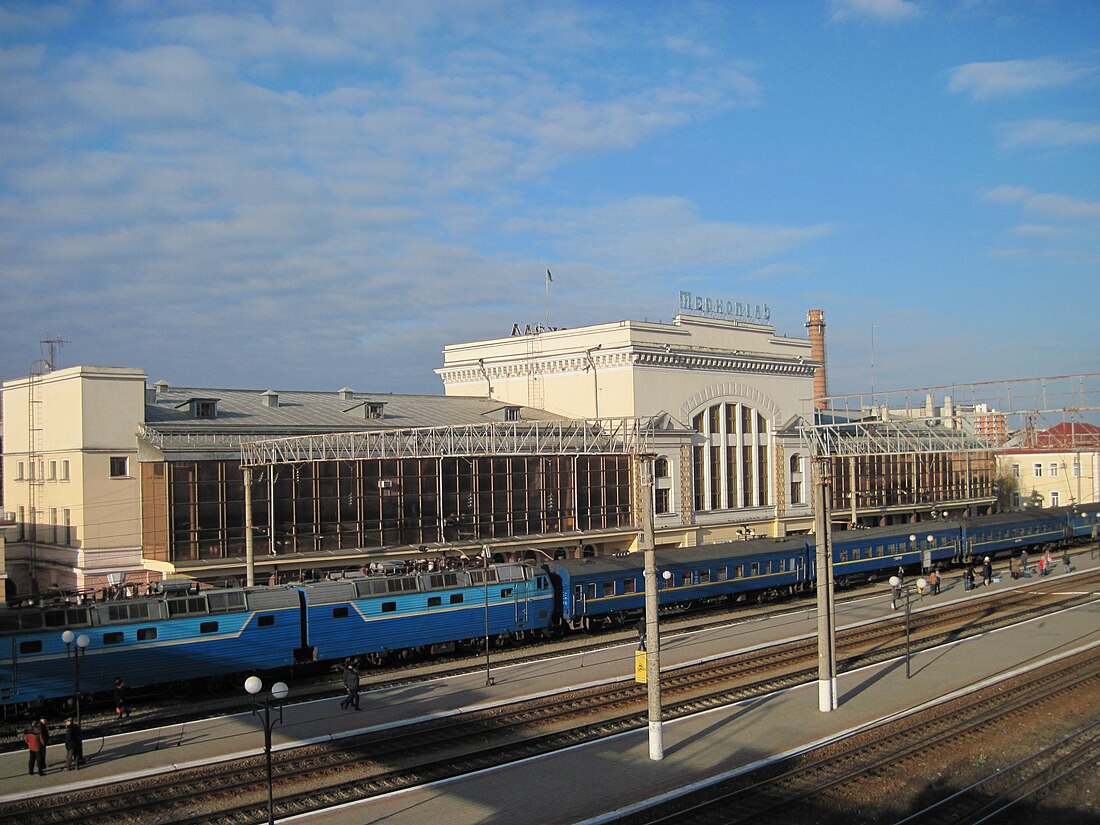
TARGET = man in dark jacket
x,y
351,685
74,745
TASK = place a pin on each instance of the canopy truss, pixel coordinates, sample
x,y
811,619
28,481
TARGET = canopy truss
x,y
607,435
989,415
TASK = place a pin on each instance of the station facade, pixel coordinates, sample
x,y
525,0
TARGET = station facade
x,y
532,452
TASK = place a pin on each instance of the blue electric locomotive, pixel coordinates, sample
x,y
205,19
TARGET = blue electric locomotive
x,y
184,636
146,640
371,616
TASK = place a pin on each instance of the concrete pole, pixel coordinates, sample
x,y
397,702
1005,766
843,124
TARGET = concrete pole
x,y
826,614
249,553
652,632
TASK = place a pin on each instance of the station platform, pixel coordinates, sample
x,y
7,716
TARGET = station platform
x,y
587,784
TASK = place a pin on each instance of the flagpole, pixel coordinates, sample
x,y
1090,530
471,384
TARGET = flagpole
x,y
548,279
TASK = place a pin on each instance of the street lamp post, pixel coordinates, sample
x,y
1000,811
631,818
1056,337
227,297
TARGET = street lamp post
x,y
486,557
279,692
898,586
82,641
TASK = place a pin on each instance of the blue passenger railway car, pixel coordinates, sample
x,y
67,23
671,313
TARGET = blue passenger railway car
x,y
611,589
1006,532
1084,520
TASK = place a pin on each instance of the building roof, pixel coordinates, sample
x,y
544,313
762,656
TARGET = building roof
x,y
1067,436
217,419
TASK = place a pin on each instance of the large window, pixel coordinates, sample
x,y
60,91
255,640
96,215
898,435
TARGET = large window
x,y
732,458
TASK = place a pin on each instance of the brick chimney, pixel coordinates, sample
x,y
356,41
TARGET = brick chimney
x,y
815,323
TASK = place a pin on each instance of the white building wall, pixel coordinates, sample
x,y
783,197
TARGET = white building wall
x,y
88,523
645,368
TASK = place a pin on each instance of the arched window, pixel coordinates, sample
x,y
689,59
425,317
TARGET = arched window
x,y
731,457
660,467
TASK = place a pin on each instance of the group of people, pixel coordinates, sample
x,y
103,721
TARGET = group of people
x,y
37,738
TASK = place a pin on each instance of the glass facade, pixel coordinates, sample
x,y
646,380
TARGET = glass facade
x,y
908,479
194,510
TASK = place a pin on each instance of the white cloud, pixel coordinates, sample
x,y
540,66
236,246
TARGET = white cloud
x,y
1045,203
1050,133
664,234
1009,77
890,11
1037,230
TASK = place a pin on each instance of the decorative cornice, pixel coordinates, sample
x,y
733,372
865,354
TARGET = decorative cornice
x,y
573,363
726,363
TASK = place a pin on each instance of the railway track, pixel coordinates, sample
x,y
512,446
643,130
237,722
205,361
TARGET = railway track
x,y
318,776
821,785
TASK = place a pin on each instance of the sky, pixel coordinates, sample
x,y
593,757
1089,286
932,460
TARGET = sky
x,y
308,196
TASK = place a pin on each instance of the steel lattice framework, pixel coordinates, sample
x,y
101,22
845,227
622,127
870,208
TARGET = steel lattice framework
x,y
608,435
905,421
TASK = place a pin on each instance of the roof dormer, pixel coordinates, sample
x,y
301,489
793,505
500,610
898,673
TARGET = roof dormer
x,y
200,407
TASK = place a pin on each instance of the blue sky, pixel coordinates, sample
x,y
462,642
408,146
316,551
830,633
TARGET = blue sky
x,y
297,195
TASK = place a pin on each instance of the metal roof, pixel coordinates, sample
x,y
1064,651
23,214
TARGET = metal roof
x,y
243,415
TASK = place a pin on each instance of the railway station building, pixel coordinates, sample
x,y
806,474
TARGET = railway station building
x,y
530,452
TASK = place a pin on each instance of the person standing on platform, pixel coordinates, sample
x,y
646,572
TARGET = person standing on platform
x,y
934,582
36,749
987,571
351,685
74,745
641,633
1023,564
968,578
1065,561
121,697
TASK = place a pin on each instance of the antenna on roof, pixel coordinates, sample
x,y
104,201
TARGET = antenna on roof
x,y
53,344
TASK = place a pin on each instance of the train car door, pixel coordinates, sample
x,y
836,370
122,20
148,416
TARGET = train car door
x,y
521,597
578,599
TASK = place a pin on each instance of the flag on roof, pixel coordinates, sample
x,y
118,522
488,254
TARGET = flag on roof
x,y
549,277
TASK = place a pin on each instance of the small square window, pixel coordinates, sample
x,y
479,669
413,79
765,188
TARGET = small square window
x,y
435,601
389,607
456,598
208,627
112,638
339,612
30,647
145,634
266,621
120,466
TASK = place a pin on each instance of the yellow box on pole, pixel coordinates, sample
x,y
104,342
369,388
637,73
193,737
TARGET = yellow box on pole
x,y
639,666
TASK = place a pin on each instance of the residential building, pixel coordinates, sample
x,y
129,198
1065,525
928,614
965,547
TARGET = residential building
x,y
1058,466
